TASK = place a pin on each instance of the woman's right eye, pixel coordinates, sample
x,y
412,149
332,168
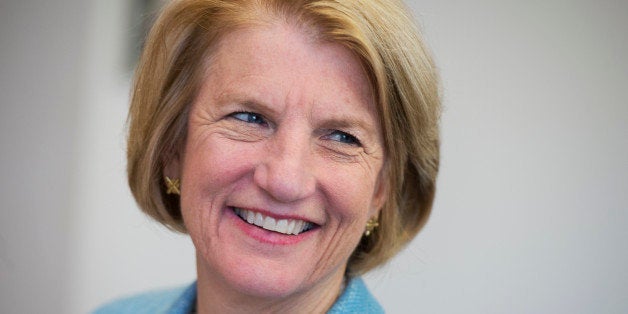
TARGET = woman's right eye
x,y
249,117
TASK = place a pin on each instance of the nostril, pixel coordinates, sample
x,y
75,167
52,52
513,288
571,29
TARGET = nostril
x,y
285,179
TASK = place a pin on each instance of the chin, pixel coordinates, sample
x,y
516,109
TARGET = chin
x,y
263,278
270,284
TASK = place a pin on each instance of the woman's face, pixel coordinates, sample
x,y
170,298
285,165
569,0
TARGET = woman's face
x,y
283,163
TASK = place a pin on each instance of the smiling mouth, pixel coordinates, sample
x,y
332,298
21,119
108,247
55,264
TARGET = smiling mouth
x,y
283,226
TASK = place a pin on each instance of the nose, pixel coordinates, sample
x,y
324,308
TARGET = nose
x,y
286,172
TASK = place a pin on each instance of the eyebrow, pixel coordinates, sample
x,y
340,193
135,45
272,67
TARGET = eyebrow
x,y
346,122
258,106
251,101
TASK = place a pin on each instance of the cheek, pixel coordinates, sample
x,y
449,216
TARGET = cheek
x,y
209,173
351,193
214,164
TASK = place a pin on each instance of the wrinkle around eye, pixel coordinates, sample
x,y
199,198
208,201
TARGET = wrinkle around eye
x,y
239,131
204,126
340,152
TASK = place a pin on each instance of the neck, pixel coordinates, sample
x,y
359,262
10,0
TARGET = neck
x,y
215,295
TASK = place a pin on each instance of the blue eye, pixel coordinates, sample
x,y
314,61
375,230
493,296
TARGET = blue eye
x,y
343,137
249,117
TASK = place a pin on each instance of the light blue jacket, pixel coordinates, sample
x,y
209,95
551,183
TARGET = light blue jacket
x,y
355,299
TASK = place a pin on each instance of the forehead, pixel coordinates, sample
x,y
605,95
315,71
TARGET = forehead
x,y
279,60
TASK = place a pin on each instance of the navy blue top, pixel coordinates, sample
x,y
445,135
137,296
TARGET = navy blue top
x,y
354,299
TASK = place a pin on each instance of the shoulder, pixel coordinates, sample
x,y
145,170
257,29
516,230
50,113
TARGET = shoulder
x,y
356,298
174,300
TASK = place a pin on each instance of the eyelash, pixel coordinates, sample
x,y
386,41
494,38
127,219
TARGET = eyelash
x,y
255,118
251,117
345,138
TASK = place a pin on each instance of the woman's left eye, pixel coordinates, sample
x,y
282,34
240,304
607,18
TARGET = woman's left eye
x,y
249,117
344,137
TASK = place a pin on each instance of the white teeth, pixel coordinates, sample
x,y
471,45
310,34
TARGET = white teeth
x,y
290,229
282,226
269,224
250,217
285,226
259,220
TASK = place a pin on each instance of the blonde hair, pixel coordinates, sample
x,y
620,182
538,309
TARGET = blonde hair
x,y
379,32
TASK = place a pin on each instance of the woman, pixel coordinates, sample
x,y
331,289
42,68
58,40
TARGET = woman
x,y
295,141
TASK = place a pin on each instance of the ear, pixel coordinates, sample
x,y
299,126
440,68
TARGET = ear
x,y
173,167
380,195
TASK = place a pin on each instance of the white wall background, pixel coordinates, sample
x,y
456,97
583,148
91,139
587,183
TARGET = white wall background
x,y
531,214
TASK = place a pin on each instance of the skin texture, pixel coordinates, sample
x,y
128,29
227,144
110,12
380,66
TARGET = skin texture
x,y
284,125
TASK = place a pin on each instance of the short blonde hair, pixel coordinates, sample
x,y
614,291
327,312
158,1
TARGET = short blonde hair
x,y
381,33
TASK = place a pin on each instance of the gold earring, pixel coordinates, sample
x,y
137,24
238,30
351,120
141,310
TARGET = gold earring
x,y
173,186
371,224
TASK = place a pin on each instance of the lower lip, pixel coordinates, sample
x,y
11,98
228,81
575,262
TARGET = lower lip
x,y
266,236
